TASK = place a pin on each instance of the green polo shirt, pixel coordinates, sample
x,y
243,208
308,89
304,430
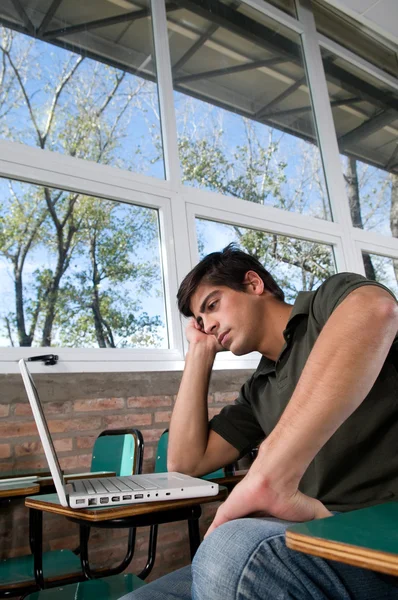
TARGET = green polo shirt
x,y
358,466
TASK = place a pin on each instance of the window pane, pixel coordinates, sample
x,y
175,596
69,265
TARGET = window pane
x,y
354,36
383,269
85,91
365,115
78,271
297,265
244,117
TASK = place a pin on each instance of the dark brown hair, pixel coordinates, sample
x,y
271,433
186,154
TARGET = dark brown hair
x,y
227,268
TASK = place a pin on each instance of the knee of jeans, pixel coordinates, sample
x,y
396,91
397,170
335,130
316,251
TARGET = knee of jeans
x,y
222,557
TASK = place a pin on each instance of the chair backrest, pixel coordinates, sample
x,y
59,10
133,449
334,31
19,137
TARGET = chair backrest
x,y
118,450
161,459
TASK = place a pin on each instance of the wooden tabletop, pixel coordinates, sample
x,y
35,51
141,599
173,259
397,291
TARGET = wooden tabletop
x,y
10,489
50,503
24,473
365,538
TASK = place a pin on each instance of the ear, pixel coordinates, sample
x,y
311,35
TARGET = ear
x,y
254,283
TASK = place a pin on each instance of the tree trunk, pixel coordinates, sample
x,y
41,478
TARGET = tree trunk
x,y
23,337
351,178
394,215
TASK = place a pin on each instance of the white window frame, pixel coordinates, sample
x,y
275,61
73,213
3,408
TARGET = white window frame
x,y
179,204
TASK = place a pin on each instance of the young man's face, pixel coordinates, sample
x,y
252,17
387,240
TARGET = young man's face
x,y
233,317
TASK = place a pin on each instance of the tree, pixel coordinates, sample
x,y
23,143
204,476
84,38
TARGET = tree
x,y
257,170
76,107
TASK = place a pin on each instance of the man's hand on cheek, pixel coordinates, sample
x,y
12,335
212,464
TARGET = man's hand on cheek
x,y
195,335
259,495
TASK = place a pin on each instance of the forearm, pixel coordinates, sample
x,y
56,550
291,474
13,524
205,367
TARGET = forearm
x,y
189,422
339,374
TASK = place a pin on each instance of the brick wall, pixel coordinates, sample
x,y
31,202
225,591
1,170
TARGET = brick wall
x,y
78,407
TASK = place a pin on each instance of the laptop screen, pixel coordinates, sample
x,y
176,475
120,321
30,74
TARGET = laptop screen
x,y
42,426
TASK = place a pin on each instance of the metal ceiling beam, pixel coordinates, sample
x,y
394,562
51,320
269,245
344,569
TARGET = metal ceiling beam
x,y
353,84
49,15
392,161
130,16
288,92
244,26
26,21
366,129
194,48
229,70
302,109
266,38
198,44
107,22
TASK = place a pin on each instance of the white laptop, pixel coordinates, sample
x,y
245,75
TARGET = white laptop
x,y
105,491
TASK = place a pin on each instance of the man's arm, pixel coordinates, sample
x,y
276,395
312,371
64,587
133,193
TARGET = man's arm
x,y
340,371
192,448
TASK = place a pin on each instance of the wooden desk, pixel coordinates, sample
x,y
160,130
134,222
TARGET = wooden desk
x,y
12,489
131,516
365,538
24,473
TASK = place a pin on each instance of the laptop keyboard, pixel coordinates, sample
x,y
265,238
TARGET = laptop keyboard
x,y
115,485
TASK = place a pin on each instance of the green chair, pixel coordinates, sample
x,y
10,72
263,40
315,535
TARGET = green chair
x,y
117,450
110,588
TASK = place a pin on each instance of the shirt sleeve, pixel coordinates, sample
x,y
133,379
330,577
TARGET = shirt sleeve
x,y
334,290
237,424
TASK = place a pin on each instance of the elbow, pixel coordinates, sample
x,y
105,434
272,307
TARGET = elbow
x,y
388,314
177,466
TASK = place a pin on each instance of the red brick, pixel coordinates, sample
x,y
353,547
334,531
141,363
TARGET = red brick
x,y
213,412
50,408
4,410
163,416
39,462
131,420
70,541
225,397
152,435
5,450
149,401
86,442
99,404
17,429
81,424
29,448
81,461
149,451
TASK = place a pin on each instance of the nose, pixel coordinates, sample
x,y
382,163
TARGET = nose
x,y
210,326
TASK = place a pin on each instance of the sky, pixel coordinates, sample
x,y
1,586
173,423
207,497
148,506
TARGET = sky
x,y
140,132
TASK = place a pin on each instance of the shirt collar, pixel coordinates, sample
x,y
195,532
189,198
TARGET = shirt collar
x,y
301,306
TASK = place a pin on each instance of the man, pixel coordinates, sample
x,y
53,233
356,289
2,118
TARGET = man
x,y
323,403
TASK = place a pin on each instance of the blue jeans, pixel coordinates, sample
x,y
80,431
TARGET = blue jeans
x,y
247,559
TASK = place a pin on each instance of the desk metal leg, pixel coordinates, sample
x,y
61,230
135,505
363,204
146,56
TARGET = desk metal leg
x,y
36,542
153,538
193,528
84,537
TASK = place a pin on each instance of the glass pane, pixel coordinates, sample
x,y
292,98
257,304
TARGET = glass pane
x,y
297,265
383,269
365,114
244,117
354,36
78,271
82,81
